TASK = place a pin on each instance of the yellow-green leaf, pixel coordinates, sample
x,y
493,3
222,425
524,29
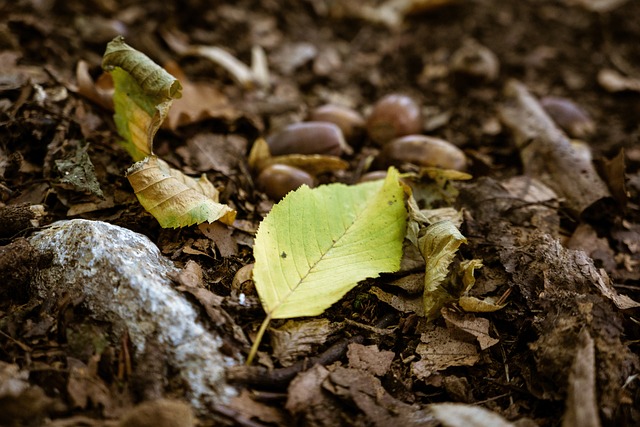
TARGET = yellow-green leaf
x,y
143,95
175,199
316,244
438,247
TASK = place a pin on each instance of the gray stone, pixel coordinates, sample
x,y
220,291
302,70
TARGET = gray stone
x,y
125,281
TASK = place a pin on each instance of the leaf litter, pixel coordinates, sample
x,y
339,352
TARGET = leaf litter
x,y
544,366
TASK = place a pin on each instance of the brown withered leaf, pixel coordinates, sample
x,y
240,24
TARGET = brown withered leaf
x,y
370,358
221,236
200,101
206,152
99,91
405,304
439,350
477,327
250,408
298,338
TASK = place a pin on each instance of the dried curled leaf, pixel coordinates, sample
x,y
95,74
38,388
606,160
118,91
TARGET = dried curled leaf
x,y
438,247
143,95
173,198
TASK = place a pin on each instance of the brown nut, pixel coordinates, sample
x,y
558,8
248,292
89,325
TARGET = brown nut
x,y
350,122
393,116
423,150
308,138
568,116
277,180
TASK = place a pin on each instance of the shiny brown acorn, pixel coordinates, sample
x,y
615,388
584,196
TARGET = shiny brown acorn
x,y
568,116
350,122
277,180
422,150
392,116
308,138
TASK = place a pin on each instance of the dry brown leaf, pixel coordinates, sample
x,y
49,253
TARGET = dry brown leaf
x,y
582,403
298,338
99,91
370,358
439,350
399,302
477,327
200,101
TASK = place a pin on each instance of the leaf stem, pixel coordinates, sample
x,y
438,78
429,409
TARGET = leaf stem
x,y
256,342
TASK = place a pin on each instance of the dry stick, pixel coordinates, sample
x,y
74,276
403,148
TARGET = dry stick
x,y
546,151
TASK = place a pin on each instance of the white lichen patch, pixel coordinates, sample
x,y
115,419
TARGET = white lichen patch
x,y
125,280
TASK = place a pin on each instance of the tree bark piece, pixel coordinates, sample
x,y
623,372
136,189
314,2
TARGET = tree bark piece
x,y
547,153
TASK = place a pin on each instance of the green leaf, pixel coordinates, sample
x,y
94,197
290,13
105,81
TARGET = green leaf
x,y
438,247
316,244
143,95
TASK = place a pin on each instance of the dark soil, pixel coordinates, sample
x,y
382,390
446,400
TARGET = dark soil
x,y
320,53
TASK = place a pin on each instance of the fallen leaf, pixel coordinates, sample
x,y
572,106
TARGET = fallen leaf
x,y
174,199
438,247
439,350
200,101
297,339
370,358
399,302
316,244
477,327
143,95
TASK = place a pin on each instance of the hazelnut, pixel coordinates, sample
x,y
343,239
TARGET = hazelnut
x,y
350,122
568,116
277,180
424,151
308,138
393,116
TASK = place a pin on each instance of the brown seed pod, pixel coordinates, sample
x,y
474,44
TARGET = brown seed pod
x,y
277,180
350,122
392,116
308,138
568,116
423,150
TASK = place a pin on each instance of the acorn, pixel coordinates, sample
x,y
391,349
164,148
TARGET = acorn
x,y
277,180
423,150
392,116
350,122
568,116
309,138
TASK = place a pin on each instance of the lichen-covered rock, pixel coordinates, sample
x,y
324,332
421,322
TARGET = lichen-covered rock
x,y
125,280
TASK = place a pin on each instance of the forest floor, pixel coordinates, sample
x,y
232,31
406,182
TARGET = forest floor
x,y
565,257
